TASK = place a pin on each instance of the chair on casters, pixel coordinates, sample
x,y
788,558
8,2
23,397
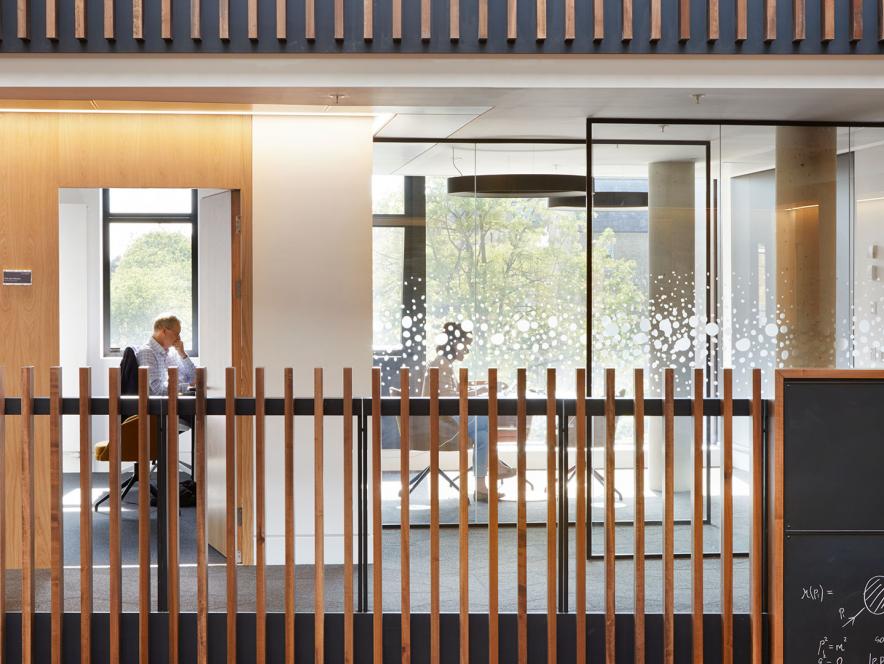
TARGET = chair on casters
x,y
129,453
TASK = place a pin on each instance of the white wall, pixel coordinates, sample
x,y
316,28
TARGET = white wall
x,y
312,296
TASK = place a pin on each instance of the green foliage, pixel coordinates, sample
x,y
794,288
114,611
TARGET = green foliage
x,y
153,276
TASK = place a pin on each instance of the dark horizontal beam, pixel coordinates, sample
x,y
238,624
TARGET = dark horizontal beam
x,y
417,406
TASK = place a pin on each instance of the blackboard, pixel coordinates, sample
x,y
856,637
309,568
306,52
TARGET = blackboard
x,y
833,516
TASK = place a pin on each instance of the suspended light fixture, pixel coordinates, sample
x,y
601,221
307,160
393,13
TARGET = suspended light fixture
x,y
602,200
517,185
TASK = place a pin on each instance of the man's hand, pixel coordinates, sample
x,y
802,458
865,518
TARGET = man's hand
x,y
179,348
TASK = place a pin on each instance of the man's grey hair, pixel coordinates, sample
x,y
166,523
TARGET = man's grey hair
x,y
166,322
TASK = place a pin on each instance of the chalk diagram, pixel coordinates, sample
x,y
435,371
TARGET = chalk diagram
x,y
873,600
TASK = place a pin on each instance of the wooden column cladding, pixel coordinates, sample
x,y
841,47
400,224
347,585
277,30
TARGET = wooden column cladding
x,y
551,531
396,17
252,18
85,517
22,19
756,562
512,20
684,20
540,11
289,473
856,20
463,517
639,519
453,19
656,27
202,541
435,581
598,19
318,519
770,20
349,644
493,562
56,515
171,470
727,521
483,20
742,20
367,19
230,508
196,24
224,19
570,21
80,19
426,19
521,517
580,519
109,20
404,522
712,29
27,515
376,520
697,522
668,517
610,522
260,518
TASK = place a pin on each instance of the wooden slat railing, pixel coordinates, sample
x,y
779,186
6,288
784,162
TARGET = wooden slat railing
x,y
552,408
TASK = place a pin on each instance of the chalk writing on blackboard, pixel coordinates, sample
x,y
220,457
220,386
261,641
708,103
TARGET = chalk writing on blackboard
x,y
873,600
815,593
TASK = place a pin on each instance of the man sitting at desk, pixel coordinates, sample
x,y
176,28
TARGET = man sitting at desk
x,y
156,355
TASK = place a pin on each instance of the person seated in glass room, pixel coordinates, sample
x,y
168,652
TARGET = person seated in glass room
x,y
163,351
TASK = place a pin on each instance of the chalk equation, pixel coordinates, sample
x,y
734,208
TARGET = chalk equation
x,y
815,593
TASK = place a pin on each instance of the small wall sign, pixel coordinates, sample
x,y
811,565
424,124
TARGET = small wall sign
x,y
17,277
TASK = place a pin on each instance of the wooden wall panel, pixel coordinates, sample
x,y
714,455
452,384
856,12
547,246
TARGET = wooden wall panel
x,y
42,152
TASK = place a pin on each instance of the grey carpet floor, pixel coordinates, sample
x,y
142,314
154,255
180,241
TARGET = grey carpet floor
x,y
419,562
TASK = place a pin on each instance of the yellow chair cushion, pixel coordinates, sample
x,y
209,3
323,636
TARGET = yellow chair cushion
x,y
129,441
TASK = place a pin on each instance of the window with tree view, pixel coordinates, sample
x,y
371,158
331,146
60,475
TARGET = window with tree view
x,y
149,241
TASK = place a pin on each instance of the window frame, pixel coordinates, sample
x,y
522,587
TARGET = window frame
x,y
108,218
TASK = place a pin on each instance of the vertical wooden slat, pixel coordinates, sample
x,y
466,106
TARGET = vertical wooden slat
x,y
712,30
137,19
454,20
697,522
827,19
639,520
598,19
56,514
551,580
109,19
52,19
570,21
397,19
463,517
202,567
339,19
224,19
23,22
426,20
367,19
684,20
668,517
289,472
376,525
404,523
310,19
610,520
580,523
742,20
348,516
27,514
252,17
318,519
656,28
260,516
626,9
798,20
757,544
80,19
3,510
522,515
196,24
727,522
434,516
483,20
770,20
115,572
540,10
856,20
144,437
230,507
493,611
85,516
171,470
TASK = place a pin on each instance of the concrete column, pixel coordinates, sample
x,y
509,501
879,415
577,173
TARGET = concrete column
x,y
671,220
806,173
